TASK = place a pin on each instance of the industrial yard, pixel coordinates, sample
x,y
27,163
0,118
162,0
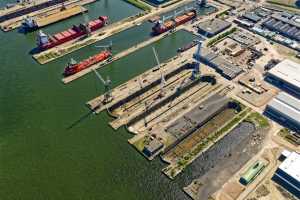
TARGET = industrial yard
x,y
150,99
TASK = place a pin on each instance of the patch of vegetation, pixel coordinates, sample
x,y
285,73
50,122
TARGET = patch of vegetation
x,y
222,14
287,135
284,3
140,144
229,125
184,161
139,4
284,132
221,37
170,3
259,120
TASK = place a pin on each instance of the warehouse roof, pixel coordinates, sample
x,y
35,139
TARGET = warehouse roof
x,y
221,64
288,71
291,165
287,105
252,16
214,26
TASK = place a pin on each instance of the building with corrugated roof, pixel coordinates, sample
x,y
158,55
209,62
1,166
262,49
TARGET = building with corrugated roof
x,y
288,174
284,25
221,65
285,109
252,17
213,27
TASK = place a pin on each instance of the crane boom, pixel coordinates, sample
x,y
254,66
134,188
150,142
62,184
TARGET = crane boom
x,y
156,57
162,79
99,77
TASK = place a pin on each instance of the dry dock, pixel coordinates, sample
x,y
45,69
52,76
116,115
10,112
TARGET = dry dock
x,y
144,80
53,10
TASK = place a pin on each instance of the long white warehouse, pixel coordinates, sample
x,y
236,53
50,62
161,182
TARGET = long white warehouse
x,y
286,75
285,109
288,174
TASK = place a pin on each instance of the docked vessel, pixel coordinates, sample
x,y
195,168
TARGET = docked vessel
x,y
34,23
29,9
74,67
161,27
202,3
186,47
45,42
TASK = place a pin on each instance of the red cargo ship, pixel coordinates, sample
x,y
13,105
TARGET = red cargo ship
x,y
45,42
161,27
74,67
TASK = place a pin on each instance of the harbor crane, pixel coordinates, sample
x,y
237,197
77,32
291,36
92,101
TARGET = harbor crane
x,y
107,87
162,76
86,22
197,56
196,69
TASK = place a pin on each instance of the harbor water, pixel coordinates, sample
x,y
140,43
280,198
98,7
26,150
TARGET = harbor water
x,y
51,146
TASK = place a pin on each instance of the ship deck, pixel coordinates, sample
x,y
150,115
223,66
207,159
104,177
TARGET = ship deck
x,y
20,6
62,14
14,23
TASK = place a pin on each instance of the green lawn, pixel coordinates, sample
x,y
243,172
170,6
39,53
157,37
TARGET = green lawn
x,y
288,3
139,4
258,119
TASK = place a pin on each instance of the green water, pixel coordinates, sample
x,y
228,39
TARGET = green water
x,y
51,147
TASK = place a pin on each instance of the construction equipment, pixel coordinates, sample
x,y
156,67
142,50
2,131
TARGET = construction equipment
x,y
107,87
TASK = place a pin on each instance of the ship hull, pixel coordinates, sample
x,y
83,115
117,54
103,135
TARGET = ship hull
x,y
186,47
102,56
168,25
73,33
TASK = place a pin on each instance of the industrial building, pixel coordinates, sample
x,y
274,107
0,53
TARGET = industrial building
x,y
286,75
288,26
212,27
252,17
285,109
222,66
244,38
288,174
153,147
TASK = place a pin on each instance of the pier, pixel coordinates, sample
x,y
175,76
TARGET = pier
x,y
14,23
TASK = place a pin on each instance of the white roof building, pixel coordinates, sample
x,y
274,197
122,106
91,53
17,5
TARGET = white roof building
x,y
287,74
291,166
288,174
